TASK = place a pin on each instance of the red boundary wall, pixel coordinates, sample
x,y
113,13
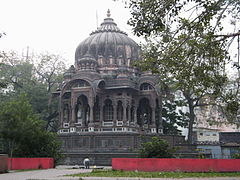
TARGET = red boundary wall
x,y
185,165
30,163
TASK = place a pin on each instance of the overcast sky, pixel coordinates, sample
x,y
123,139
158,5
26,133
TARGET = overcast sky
x,y
56,26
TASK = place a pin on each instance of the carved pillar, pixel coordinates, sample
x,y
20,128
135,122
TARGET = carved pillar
x,y
73,119
128,107
91,104
125,111
70,113
135,115
114,112
91,114
73,108
110,60
101,113
91,124
160,127
65,113
129,113
84,115
153,122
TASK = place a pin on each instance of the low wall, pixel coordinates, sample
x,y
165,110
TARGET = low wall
x,y
3,163
185,165
30,163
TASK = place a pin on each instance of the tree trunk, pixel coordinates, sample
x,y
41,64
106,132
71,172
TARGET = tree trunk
x,y
191,120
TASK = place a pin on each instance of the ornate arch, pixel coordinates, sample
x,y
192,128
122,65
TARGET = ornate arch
x,y
76,82
82,110
144,112
146,86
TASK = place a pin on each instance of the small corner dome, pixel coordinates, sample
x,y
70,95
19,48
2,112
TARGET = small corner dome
x,y
69,72
108,41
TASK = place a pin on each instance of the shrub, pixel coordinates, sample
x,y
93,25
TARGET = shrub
x,y
156,148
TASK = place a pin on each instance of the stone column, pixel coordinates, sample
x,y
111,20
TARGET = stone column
x,y
91,124
125,111
101,113
129,104
160,127
153,122
73,107
91,114
129,113
135,115
153,107
84,115
70,112
114,113
73,119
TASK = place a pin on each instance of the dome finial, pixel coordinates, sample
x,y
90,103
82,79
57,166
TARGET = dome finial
x,y
108,13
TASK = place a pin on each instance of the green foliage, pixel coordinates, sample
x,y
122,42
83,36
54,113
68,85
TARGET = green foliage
x,y
150,17
186,48
173,118
3,84
156,148
236,156
23,134
37,77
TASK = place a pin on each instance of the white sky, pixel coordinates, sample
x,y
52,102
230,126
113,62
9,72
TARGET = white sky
x,y
56,26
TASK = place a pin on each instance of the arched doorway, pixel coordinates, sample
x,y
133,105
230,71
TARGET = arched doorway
x,y
82,111
144,114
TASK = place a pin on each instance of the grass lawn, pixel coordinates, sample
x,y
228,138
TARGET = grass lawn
x,y
114,173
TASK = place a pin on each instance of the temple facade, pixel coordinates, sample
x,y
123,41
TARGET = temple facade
x,y
106,103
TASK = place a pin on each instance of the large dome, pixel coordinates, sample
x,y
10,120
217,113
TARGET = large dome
x,y
109,44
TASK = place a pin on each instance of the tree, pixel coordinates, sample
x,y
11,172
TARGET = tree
x,y
2,83
186,43
37,76
156,148
49,68
23,133
173,118
154,17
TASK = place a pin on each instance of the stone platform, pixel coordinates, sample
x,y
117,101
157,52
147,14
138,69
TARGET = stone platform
x,y
101,148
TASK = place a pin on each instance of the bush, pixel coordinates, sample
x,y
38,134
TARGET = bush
x,y
156,148
236,156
